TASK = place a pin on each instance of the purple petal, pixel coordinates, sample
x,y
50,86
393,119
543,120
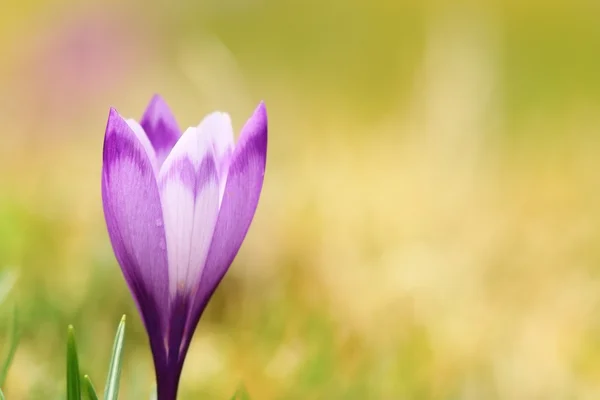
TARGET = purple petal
x,y
217,127
161,127
189,190
134,220
168,381
242,191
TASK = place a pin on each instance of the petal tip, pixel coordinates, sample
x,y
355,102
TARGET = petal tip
x,y
261,109
160,124
254,133
259,119
156,99
112,113
114,118
157,106
115,121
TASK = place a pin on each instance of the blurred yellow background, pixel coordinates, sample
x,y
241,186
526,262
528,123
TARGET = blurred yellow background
x,y
430,222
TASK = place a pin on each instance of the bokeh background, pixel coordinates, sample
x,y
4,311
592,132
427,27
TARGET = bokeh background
x,y
430,222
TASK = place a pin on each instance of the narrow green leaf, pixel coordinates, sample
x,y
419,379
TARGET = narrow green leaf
x,y
13,342
73,378
89,388
1,395
111,390
7,281
241,394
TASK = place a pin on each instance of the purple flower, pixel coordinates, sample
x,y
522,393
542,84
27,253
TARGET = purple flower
x,y
177,208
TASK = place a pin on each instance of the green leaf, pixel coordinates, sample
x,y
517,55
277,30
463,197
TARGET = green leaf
x,y
7,281
241,394
1,395
12,346
111,390
89,388
73,383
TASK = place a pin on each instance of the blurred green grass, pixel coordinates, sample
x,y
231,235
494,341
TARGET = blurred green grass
x,y
429,225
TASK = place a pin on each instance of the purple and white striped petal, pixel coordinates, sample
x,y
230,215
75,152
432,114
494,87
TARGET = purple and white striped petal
x,y
189,190
217,127
143,138
242,191
161,127
133,214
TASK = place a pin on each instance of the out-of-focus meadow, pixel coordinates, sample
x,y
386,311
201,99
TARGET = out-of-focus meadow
x,y
430,222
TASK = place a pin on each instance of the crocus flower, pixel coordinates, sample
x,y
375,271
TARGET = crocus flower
x,y
177,207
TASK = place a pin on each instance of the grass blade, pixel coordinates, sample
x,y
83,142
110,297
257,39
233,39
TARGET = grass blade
x,y
73,379
241,394
1,395
12,346
7,281
111,390
89,388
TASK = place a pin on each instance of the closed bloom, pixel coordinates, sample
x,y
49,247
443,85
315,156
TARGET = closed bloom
x,y
177,208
